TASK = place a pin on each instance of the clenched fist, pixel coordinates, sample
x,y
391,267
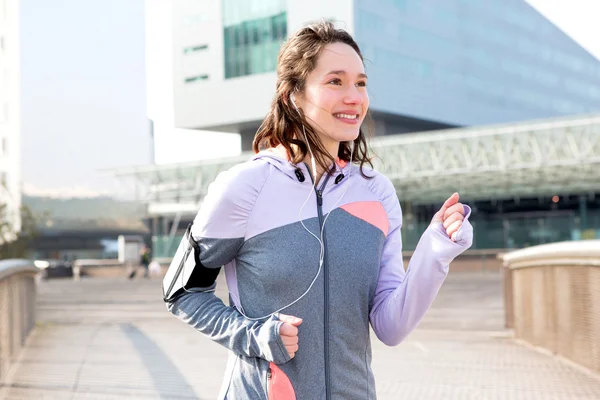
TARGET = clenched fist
x,y
289,333
451,215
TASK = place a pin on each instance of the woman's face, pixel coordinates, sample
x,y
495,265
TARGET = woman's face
x,y
335,99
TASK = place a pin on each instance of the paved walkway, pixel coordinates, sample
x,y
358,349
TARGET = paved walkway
x,y
113,339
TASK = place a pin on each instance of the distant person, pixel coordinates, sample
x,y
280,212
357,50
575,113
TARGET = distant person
x,y
310,237
145,257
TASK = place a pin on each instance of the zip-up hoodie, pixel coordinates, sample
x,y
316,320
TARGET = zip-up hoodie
x,y
251,223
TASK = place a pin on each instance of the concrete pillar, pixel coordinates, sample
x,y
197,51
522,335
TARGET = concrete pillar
x,y
583,212
165,226
154,233
154,226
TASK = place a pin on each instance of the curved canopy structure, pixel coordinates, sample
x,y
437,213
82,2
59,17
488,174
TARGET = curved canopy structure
x,y
558,156
519,160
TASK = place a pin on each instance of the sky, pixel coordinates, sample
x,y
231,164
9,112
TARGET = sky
x,y
83,91
577,18
83,99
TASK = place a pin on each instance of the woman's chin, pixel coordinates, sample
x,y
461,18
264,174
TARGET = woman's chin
x,y
345,136
349,136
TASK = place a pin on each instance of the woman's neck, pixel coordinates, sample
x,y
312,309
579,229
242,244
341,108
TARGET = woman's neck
x,y
332,148
318,173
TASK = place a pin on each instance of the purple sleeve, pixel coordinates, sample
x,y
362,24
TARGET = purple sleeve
x,y
402,298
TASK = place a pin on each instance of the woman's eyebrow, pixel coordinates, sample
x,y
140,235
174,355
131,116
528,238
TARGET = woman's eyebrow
x,y
342,72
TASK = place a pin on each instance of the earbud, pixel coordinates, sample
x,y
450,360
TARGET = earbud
x,y
339,178
299,175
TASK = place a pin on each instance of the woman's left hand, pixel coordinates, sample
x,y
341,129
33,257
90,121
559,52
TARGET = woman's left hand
x,y
451,215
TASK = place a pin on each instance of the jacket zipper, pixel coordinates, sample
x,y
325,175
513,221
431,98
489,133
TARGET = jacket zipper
x,y
319,193
269,375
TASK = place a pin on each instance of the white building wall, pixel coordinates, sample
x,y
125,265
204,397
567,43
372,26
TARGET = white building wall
x,y
172,144
218,102
10,114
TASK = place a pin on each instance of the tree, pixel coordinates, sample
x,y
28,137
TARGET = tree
x,y
15,244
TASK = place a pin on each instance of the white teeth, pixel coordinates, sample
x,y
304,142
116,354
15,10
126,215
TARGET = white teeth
x,y
346,116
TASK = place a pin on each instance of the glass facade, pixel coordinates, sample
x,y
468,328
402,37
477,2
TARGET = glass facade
x,y
494,229
469,62
253,33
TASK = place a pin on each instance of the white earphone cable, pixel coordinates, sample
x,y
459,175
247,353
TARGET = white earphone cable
x,y
319,238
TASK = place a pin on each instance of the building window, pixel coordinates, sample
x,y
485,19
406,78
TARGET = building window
x,y
196,78
253,33
195,49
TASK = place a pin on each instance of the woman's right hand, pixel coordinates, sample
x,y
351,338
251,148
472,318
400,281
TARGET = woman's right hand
x,y
289,333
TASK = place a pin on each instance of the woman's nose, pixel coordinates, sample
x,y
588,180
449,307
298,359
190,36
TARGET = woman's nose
x,y
353,96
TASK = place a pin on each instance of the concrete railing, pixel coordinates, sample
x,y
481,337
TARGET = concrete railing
x,y
17,308
553,298
111,268
98,268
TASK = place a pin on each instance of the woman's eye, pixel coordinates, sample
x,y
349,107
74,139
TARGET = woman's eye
x,y
335,81
362,83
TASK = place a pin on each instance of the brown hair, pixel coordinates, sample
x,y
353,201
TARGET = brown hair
x,y
283,124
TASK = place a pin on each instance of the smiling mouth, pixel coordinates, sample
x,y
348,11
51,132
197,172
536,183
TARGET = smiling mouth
x,y
347,117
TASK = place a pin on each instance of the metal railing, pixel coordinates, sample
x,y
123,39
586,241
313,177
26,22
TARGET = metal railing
x,y
17,309
553,298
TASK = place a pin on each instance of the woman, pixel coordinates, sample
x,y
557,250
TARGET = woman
x,y
311,241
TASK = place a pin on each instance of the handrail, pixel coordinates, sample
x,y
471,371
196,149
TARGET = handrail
x,y
551,298
17,309
15,266
584,252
